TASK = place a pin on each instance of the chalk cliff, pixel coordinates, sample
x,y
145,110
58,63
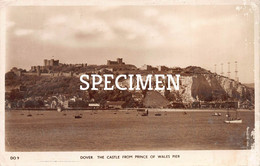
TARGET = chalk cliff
x,y
198,84
212,87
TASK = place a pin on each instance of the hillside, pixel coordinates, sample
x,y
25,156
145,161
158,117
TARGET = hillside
x,y
250,85
196,85
154,99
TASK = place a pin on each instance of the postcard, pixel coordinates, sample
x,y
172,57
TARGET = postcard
x,y
128,82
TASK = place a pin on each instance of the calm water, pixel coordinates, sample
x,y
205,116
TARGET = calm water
x,y
123,130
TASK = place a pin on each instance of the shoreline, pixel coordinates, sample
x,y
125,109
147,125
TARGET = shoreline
x,y
126,110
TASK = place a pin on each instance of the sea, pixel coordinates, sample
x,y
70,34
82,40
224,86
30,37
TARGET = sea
x,y
126,130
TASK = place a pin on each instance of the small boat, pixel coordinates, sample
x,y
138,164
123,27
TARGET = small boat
x,y
216,114
29,114
78,117
59,109
145,113
233,120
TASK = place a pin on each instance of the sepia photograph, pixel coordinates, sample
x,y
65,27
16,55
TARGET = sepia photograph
x,y
130,78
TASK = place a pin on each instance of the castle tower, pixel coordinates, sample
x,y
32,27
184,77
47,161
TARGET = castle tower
x,y
38,70
119,60
45,62
51,62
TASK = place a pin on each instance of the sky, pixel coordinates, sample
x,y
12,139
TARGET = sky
x,y
174,36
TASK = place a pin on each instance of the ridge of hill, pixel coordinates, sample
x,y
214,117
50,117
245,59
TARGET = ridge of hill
x,y
196,84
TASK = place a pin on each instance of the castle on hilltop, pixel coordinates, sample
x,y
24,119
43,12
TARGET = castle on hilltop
x,y
119,61
47,64
51,62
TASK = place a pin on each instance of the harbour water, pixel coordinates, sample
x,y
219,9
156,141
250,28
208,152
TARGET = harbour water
x,y
113,130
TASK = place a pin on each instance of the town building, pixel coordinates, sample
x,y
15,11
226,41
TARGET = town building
x,y
148,68
18,72
115,104
138,96
94,105
163,68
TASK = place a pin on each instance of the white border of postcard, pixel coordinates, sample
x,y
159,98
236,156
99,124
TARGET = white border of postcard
x,y
198,157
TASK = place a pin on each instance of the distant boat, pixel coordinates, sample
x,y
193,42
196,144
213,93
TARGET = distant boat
x,y
29,115
78,117
145,112
216,114
233,120
59,109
